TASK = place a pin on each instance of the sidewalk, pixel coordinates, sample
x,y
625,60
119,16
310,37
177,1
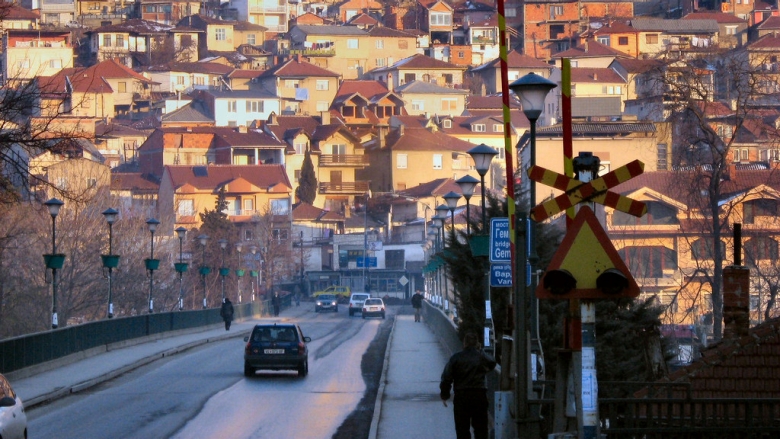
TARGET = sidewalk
x,y
408,404
87,372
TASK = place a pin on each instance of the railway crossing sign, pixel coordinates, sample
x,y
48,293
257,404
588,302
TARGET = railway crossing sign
x,y
597,190
586,265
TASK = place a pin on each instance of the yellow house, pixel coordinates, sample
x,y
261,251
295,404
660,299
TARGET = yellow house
x,y
302,87
31,53
342,49
419,68
250,190
71,170
424,98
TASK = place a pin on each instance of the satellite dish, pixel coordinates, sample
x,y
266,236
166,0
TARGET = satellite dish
x,y
179,87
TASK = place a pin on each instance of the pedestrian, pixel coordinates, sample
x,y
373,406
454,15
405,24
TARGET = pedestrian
x,y
227,313
297,298
275,301
465,371
417,299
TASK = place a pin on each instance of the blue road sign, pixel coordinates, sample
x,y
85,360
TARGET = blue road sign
x,y
500,275
500,250
371,262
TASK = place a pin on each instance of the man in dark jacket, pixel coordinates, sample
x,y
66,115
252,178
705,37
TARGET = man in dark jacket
x,y
417,299
227,313
466,370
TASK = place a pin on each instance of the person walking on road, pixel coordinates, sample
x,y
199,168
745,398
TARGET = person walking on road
x,y
465,371
227,313
276,302
417,299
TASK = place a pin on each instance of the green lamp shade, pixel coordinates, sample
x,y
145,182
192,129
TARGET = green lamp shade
x,y
253,273
181,267
54,261
240,273
110,261
205,270
152,264
224,271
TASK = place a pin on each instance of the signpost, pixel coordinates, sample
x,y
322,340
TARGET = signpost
x,y
499,241
500,275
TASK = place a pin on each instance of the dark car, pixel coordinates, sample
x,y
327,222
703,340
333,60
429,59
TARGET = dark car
x,y
278,346
326,302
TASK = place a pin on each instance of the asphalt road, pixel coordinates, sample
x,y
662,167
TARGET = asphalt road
x,y
203,393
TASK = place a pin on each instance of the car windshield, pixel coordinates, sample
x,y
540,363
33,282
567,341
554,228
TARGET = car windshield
x,y
274,333
327,297
360,297
373,302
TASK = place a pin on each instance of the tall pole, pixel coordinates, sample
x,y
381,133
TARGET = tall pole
x,y
239,272
151,264
223,270
204,269
181,232
110,252
301,245
54,261
365,243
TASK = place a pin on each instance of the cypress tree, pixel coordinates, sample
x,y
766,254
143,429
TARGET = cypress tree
x,y
307,185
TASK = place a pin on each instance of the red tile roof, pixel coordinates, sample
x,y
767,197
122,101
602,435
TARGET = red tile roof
x,y
433,188
720,17
298,69
590,48
595,75
269,178
769,41
421,139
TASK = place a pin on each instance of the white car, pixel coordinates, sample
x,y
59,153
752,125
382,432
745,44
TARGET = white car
x,y
13,420
356,302
374,307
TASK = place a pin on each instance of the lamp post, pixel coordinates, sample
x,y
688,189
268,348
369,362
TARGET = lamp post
x,y
532,90
482,156
223,271
204,269
54,260
181,266
467,184
442,212
110,260
452,199
365,241
239,271
151,263
433,235
301,247
255,273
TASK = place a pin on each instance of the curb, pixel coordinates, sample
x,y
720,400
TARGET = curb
x,y
374,430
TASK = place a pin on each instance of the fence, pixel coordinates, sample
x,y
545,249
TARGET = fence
x,y
33,349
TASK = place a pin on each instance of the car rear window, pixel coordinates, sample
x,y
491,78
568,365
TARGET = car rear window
x,y
274,333
360,297
373,302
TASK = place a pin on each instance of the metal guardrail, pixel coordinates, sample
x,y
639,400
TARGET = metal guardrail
x,y
32,349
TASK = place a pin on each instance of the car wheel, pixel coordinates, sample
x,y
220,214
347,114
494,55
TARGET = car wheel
x,y
364,316
383,315
336,309
350,313
249,371
303,368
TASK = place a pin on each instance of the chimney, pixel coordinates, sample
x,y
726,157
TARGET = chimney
x,y
242,129
382,140
736,293
298,57
595,77
325,116
390,85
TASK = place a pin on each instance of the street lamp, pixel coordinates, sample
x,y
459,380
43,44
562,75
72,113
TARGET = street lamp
x,y
239,271
181,266
442,212
452,198
204,269
303,284
223,271
532,90
54,260
254,273
482,156
467,184
110,260
152,263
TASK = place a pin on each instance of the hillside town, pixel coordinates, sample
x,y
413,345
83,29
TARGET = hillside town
x,y
171,104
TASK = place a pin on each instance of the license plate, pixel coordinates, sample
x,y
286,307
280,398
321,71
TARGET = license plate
x,y
373,308
273,351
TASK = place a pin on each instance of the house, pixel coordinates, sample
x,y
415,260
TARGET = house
x,y
597,93
518,65
17,17
168,11
390,45
366,103
618,36
31,53
550,27
436,18
71,165
414,151
273,15
238,108
481,29
250,191
423,98
141,43
218,36
135,192
349,9
683,38
243,79
763,54
186,112
345,50
302,87
187,76
733,30
53,12
419,67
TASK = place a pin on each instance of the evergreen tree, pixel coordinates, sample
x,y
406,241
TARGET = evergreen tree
x,y
307,185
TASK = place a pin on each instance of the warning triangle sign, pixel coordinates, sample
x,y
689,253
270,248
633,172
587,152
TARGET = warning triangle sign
x,y
587,253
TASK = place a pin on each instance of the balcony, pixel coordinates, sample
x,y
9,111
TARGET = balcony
x,y
281,9
343,160
308,52
357,187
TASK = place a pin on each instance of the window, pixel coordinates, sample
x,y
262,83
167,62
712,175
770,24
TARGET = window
x,y
478,128
220,34
380,44
409,77
555,11
232,106
23,64
762,207
440,19
449,104
418,105
650,261
352,43
297,175
437,161
250,39
90,182
603,40
622,41
254,106
761,248
280,206
662,151
401,161
122,87
380,62
322,84
55,64
447,78
106,40
322,105
403,44
702,250
120,41
651,39
498,128
186,208
281,234
447,123
290,83
731,30
510,12
300,148
339,149
657,214
394,259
